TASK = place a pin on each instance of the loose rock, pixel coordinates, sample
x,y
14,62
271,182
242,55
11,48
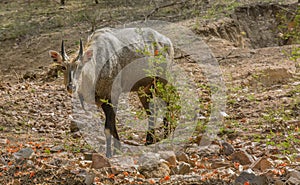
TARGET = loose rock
x,y
169,156
88,156
152,167
219,164
57,148
262,164
227,148
74,127
242,157
99,161
24,153
181,156
89,178
251,178
293,178
184,168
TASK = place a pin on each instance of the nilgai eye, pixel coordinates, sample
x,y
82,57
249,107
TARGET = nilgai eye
x,y
63,68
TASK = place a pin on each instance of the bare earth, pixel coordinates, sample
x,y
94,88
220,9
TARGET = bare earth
x,y
263,107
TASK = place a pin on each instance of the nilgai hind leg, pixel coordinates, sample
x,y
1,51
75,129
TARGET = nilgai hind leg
x,y
145,97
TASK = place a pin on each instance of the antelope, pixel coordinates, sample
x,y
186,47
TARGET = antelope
x,y
111,63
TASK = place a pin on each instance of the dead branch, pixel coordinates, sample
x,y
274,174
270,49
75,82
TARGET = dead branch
x,y
225,57
164,6
181,56
287,10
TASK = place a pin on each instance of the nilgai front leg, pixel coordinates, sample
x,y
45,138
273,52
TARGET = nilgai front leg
x,y
110,128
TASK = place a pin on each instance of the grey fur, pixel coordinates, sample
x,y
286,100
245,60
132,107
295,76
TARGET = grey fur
x,y
113,50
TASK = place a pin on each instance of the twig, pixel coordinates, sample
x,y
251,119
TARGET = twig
x,y
287,10
181,56
131,143
163,6
17,76
225,57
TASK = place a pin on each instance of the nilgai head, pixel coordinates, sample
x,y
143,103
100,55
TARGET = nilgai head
x,y
69,64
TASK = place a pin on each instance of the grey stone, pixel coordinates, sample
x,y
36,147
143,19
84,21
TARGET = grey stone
x,y
24,153
89,178
293,178
251,178
57,148
227,148
151,167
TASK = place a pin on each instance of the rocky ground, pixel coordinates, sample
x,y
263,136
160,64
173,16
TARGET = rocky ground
x,y
258,142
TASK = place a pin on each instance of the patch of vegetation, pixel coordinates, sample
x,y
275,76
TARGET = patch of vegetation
x,y
47,151
280,135
284,142
290,32
23,22
221,8
290,26
38,17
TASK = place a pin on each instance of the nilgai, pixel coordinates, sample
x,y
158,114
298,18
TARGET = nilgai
x,y
115,61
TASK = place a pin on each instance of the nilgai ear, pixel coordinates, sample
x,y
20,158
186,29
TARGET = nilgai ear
x,y
87,56
56,57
